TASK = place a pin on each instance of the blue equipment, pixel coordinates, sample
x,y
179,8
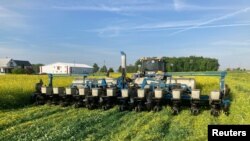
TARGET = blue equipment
x,y
149,89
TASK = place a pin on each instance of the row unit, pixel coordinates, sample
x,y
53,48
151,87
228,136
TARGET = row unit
x,y
141,93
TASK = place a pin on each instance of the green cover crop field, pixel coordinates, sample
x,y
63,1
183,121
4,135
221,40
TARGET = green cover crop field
x,y
20,120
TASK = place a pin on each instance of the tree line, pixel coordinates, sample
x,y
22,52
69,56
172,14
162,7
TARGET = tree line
x,y
174,64
104,68
192,63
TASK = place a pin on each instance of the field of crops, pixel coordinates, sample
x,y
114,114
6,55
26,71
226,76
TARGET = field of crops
x,y
20,122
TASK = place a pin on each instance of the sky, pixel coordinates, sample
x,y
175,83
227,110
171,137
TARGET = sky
x,y
95,31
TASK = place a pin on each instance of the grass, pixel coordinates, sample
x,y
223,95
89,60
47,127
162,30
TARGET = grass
x,y
15,90
58,123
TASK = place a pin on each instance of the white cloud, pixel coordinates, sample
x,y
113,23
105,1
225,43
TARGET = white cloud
x,y
4,12
10,19
112,31
116,30
88,8
170,24
213,20
116,6
232,43
179,5
133,5
7,51
182,5
200,27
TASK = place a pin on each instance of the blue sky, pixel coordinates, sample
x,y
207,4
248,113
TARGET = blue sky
x,y
88,31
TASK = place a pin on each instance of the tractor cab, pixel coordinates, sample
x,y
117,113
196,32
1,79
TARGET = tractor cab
x,y
151,67
148,82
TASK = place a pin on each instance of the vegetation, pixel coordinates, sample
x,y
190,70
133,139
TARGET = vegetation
x,y
15,90
36,68
236,69
104,69
95,68
50,122
181,64
111,70
22,71
186,64
119,69
191,63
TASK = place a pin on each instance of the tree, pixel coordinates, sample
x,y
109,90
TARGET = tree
x,y
36,68
18,71
22,71
182,64
131,68
192,63
111,70
29,71
104,69
95,68
119,69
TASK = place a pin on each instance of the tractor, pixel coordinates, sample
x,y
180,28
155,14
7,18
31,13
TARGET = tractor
x,y
150,88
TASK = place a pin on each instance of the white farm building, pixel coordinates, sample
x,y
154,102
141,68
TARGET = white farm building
x,y
66,68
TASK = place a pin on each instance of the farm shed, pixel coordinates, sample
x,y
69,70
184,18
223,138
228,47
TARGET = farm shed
x,y
7,64
65,68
